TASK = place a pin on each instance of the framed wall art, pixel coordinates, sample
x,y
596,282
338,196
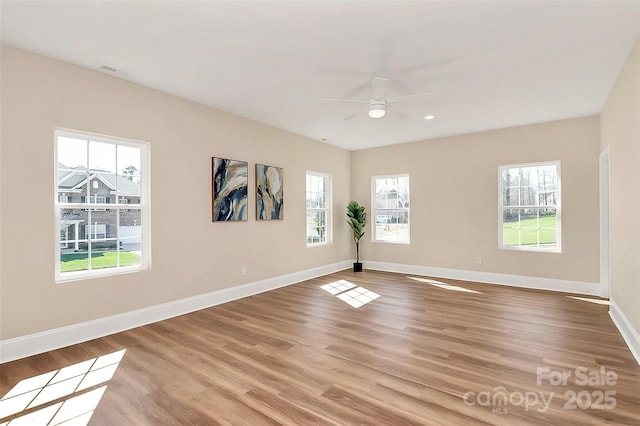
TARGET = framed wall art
x,y
269,192
230,180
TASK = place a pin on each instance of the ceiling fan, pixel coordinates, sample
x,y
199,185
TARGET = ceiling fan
x,y
377,105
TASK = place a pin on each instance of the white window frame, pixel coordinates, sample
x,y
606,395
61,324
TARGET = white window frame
x,y
99,205
327,209
501,207
375,210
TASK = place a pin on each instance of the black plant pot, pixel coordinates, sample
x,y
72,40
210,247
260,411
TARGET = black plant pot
x,y
357,267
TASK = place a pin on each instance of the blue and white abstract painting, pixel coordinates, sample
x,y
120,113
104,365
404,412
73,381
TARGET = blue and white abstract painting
x,y
269,192
230,181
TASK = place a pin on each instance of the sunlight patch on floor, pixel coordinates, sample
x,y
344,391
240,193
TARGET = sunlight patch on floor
x,y
337,287
445,286
68,383
590,300
349,293
358,296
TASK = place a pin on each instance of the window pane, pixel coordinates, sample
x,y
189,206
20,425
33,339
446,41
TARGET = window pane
x,y
392,192
316,192
128,189
510,178
102,224
392,225
128,181
316,226
130,237
71,261
72,168
72,153
102,157
322,192
73,253
101,188
548,226
130,230
129,162
102,236
510,197
528,196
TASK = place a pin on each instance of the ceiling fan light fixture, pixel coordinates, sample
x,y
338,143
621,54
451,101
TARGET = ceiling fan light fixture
x,y
377,110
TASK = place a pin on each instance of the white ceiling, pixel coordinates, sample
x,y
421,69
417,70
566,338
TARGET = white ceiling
x,y
493,64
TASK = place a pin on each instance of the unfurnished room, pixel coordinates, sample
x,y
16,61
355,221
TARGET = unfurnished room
x,y
319,212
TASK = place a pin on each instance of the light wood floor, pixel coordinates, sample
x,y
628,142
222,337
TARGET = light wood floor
x,y
300,356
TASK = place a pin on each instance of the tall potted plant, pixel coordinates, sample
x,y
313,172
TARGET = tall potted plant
x,y
357,219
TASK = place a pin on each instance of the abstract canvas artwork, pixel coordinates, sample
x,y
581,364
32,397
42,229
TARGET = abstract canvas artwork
x,y
229,185
269,192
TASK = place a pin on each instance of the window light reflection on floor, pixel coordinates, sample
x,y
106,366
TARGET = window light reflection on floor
x,y
69,382
358,296
337,287
444,286
350,293
588,299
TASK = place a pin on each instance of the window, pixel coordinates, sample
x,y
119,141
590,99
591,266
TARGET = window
x,y
390,222
97,199
97,235
318,209
96,231
529,211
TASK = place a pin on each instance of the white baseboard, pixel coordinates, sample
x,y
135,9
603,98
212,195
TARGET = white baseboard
x,y
32,344
629,334
536,283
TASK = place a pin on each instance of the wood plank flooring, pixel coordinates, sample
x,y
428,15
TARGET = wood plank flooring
x,y
419,354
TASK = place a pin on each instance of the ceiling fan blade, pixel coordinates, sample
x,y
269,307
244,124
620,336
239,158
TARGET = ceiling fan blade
x,y
357,91
344,100
350,116
399,114
379,87
411,96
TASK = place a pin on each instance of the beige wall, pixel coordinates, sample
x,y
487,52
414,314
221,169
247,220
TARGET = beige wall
x,y
620,130
454,199
191,255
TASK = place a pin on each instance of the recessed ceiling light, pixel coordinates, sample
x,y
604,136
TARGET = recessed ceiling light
x,y
429,117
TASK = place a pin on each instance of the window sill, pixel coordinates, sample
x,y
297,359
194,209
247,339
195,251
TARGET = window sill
x,y
87,275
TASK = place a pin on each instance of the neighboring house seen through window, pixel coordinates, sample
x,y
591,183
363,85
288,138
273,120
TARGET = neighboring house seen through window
x,y
318,208
529,207
390,221
101,205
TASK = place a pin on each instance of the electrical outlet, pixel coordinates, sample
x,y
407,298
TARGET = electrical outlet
x,y
244,270
479,260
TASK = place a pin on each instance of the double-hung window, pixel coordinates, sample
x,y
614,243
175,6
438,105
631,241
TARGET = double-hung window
x,y
529,207
318,209
390,222
101,205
